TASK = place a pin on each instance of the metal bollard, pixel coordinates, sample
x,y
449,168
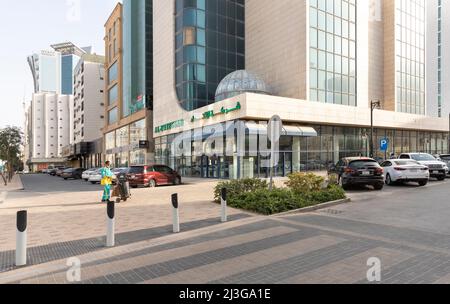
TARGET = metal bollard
x,y
176,214
224,205
21,238
110,235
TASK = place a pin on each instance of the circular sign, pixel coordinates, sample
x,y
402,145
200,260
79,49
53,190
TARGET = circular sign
x,y
274,128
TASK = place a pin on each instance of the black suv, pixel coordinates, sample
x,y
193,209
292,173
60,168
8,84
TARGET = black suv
x,y
358,171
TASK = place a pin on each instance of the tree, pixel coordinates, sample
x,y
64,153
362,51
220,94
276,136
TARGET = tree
x,y
10,143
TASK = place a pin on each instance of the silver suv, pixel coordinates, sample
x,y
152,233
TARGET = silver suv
x,y
438,169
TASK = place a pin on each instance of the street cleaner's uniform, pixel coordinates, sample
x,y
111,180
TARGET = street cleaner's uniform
x,y
106,182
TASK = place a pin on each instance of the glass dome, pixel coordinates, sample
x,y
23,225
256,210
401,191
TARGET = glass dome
x,y
240,82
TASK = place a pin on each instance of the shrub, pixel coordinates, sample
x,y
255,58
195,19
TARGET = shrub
x,y
254,195
237,187
305,182
268,202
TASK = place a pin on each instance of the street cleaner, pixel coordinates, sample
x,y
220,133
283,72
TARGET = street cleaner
x,y
106,181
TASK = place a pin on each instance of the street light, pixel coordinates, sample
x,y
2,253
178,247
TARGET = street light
x,y
374,104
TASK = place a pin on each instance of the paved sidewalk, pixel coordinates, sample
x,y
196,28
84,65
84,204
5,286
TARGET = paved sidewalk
x,y
301,249
14,185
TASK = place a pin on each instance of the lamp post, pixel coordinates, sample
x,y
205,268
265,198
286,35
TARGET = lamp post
x,y
374,104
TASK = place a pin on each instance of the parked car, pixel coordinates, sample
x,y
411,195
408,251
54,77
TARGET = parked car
x,y
73,173
445,158
96,177
359,171
85,175
404,170
153,176
60,171
52,172
437,168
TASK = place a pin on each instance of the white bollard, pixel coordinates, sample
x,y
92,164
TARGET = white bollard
x,y
21,239
176,214
110,235
224,205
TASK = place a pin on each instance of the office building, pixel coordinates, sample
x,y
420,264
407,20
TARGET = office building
x,y
320,65
88,114
129,84
438,58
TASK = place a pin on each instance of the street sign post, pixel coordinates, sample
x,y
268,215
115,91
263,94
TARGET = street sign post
x,y
384,146
274,129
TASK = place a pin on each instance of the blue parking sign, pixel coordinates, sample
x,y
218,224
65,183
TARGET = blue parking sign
x,y
384,144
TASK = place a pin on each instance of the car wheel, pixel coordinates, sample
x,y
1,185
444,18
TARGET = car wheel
x,y
389,180
152,183
65,178
94,183
423,183
342,184
441,178
378,187
177,181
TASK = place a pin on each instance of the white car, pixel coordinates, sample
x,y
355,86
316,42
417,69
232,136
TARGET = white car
x,y
96,177
86,174
438,169
405,170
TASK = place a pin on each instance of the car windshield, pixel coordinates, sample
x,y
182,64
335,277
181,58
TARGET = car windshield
x,y
363,163
405,162
445,157
422,157
136,170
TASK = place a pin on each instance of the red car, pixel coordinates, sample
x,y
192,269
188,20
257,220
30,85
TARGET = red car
x,y
152,176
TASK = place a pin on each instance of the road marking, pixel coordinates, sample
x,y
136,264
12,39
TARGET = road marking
x,y
3,197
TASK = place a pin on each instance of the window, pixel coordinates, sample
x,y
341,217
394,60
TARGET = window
x,y
113,116
113,95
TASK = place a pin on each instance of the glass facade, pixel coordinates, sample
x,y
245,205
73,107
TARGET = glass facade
x,y
299,154
137,56
67,66
439,58
209,44
49,73
122,145
332,35
410,56
113,116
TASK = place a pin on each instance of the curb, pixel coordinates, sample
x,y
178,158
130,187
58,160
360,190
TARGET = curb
x,y
314,208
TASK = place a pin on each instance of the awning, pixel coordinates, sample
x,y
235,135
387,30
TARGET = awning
x,y
296,131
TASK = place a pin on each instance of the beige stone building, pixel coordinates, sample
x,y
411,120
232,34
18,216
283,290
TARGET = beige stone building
x,y
318,66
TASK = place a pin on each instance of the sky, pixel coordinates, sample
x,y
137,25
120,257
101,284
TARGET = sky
x,y
28,26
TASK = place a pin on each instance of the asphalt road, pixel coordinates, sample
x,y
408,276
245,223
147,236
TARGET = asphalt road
x,y
404,206
44,183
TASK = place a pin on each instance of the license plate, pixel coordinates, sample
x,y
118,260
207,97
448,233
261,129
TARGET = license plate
x,y
365,173
414,171
435,172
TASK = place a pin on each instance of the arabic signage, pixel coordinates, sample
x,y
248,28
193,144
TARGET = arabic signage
x,y
211,114
170,126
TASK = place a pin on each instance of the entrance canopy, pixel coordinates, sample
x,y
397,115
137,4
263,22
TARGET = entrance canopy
x,y
296,131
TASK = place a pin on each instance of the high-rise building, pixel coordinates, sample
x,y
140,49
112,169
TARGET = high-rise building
x,y
53,70
51,129
88,112
129,83
317,64
137,56
438,59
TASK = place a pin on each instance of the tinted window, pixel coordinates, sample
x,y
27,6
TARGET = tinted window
x,y
136,170
386,164
404,157
445,157
422,157
363,163
406,162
